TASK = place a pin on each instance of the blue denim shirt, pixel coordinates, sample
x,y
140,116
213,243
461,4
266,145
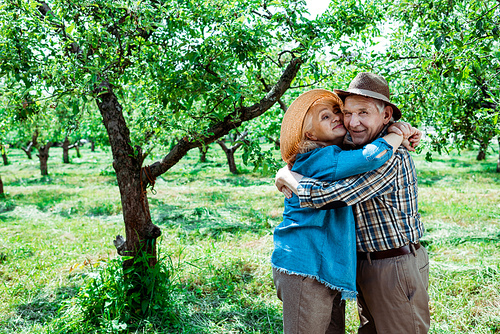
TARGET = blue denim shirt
x,y
321,244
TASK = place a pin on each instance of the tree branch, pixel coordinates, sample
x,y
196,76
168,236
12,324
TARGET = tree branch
x,y
232,121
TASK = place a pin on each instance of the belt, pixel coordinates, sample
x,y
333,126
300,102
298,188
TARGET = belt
x,y
407,249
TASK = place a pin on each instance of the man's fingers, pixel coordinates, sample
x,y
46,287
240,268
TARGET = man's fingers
x,y
287,192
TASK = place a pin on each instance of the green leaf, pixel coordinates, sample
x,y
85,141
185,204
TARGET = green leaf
x,y
144,306
70,28
438,42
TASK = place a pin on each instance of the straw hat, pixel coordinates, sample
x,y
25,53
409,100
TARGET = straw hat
x,y
370,85
291,127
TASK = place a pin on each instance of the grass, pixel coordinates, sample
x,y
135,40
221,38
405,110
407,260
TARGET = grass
x,y
217,240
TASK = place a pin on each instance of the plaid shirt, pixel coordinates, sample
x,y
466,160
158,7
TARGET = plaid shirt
x,y
384,202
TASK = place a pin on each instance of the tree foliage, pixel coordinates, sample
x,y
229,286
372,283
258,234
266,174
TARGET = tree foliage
x,y
444,59
181,72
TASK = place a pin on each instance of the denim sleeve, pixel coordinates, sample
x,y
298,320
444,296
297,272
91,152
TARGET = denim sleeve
x,y
329,164
320,164
363,160
352,190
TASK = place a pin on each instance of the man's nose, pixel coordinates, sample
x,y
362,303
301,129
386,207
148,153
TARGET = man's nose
x,y
354,121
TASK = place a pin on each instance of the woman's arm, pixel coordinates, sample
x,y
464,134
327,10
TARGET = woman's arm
x,y
287,181
411,135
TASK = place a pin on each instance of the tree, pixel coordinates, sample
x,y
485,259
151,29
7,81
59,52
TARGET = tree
x,y
203,153
443,64
236,139
3,150
179,69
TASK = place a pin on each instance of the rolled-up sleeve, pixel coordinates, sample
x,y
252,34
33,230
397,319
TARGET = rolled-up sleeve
x,y
349,191
370,157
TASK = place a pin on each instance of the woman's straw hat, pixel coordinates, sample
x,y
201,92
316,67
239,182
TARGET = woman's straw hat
x,y
291,127
370,85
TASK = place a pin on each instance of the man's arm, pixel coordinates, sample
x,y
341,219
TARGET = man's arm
x,y
352,190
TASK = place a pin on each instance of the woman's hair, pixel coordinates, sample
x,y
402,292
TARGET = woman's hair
x,y
307,144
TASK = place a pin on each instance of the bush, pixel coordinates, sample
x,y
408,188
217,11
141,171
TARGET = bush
x,y
117,300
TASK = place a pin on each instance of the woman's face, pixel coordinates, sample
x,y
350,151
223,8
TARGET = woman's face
x,y
327,123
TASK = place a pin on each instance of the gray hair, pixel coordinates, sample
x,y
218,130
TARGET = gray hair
x,y
379,104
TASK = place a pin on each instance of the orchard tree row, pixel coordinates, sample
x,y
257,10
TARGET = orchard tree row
x,y
177,75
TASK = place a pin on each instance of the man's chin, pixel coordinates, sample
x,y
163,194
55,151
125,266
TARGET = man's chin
x,y
358,140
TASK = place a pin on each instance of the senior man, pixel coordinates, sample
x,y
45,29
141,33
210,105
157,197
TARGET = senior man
x,y
392,267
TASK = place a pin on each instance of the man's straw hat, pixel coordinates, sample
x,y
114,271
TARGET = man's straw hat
x,y
291,127
370,85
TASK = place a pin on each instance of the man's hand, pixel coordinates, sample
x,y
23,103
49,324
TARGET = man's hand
x,y
287,181
411,135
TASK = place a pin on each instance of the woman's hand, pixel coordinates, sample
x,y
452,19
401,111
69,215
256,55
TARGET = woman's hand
x,y
411,135
287,181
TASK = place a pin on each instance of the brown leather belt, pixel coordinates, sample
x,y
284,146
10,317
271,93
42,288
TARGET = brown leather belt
x,y
388,253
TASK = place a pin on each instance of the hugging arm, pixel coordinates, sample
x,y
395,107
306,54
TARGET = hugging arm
x,y
331,163
349,191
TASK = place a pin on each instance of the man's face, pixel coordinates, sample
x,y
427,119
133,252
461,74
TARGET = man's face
x,y
363,120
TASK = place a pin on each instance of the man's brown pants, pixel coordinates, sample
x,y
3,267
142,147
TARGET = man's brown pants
x,y
392,294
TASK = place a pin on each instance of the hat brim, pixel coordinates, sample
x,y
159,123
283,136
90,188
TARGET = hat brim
x,y
396,113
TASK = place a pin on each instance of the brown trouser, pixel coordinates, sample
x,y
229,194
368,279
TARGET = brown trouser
x,y
392,294
309,307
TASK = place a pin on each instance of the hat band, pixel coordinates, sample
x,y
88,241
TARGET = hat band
x,y
369,93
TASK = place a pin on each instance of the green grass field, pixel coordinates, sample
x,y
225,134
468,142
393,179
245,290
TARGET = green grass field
x,y
217,241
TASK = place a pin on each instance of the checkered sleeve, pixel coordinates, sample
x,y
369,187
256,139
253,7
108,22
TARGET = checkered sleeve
x,y
352,190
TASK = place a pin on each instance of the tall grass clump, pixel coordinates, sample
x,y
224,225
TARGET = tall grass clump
x,y
114,299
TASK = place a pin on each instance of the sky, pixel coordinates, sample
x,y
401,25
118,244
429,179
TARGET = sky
x,y
317,6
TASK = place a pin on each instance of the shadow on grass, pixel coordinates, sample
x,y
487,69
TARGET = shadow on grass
x,y
33,181
6,205
431,244
236,318
207,221
40,310
43,199
240,181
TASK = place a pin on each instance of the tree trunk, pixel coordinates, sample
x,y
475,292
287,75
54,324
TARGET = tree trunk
x,y
498,162
230,156
203,153
65,147
483,147
31,144
140,232
92,146
230,151
77,148
1,186
27,150
4,155
43,155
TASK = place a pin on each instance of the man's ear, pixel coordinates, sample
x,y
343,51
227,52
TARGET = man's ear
x,y
310,136
387,114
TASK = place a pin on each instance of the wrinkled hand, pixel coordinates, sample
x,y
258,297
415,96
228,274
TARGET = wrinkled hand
x,y
287,181
411,136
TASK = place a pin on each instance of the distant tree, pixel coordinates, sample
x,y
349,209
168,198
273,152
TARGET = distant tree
x,y
236,139
31,144
203,153
3,150
43,156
